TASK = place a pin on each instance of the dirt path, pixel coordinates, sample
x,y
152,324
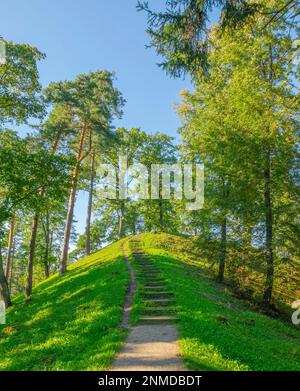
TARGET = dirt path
x,y
153,343
150,347
131,290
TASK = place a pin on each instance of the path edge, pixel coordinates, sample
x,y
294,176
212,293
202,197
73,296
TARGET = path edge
x,y
127,308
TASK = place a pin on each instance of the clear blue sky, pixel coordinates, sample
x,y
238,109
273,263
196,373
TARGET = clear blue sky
x,y
81,36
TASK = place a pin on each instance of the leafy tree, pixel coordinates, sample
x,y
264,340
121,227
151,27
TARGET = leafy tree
x,y
52,184
91,101
242,119
20,89
180,32
159,215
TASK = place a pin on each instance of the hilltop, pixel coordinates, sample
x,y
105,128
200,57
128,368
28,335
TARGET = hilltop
x,y
73,321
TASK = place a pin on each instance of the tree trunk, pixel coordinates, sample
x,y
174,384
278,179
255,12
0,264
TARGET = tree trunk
x,y
223,249
29,278
71,203
33,236
46,263
4,290
10,247
134,225
89,211
161,214
160,206
10,279
47,244
267,296
121,232
69,220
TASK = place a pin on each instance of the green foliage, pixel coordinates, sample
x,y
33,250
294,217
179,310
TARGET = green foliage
x,y
180,32
242,123
25,166
245,267
20,89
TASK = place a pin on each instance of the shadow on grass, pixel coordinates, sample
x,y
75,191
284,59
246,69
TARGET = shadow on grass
x,y
218,332
72,322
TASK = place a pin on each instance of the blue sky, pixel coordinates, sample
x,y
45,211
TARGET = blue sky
x,y
81,36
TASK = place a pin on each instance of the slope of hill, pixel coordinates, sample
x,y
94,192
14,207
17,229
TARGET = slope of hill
x,y
245,267
217,330
73,321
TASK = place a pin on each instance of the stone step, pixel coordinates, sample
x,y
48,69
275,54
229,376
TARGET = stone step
x,y
164,302
151,280
145,266
148,275
158,319
149,270
158,294
154,287
159,309
146,278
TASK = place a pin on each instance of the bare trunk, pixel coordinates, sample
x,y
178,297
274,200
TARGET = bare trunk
x,y
46,263
134,226
10,279
29,278
69,220
46,229
89,211
121,232
71,203
10,247
33,236
4,290
267,296
160,206
223,250
161,214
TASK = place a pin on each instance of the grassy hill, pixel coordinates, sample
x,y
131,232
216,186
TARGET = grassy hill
x,y
245,268
217,330
72,322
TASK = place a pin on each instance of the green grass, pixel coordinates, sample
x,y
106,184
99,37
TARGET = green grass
x,y
72,322
218,331
245,267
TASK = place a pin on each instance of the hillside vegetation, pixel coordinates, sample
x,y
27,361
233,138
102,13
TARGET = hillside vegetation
x,y
73,321
217,330
244,270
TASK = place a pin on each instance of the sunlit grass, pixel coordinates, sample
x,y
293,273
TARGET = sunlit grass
x,y
72,322
217,331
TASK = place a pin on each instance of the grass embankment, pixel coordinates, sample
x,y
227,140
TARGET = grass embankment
x,y
245,268
218,331
72,322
